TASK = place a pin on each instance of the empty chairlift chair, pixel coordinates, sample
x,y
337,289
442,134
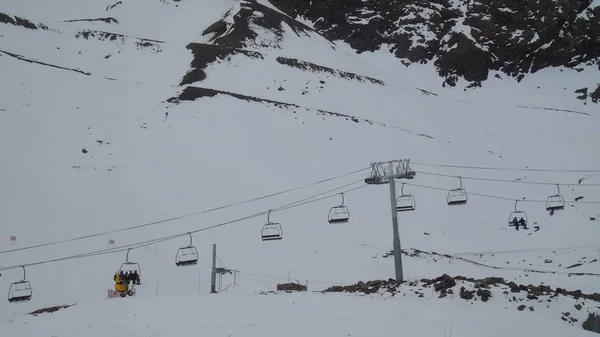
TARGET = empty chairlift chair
x,y
20,291
129,266
457,196
405,202
555,202
271,230
339,213
187,256
517,214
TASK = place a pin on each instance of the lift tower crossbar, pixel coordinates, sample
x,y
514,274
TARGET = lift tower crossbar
x,y
386,173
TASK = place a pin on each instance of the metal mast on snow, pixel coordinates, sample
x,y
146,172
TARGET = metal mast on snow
x,y
387,172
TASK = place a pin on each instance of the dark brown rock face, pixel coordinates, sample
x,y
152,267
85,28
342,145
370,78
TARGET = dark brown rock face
x,y
467,41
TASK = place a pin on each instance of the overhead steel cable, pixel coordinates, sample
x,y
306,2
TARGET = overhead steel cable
x,y
499,197
179,217
508,169
137,245
504,180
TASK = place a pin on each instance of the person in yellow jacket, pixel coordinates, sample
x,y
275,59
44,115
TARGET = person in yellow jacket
x,y
120,285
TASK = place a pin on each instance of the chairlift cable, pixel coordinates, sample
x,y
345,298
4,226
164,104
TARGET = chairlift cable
x,y
138,245
180,217
503,180
501,198
508,169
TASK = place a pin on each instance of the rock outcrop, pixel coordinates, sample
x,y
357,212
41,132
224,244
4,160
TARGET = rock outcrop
x,y
464,39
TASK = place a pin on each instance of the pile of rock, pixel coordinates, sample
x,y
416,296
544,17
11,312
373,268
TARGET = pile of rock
x,y
291,287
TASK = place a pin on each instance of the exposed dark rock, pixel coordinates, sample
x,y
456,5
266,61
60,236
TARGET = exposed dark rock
x,y
466,294
109,7
521,307
105,20
20,22
241,35
515,37
49,309
22,58
595,96
574,265
291,287
484,294
366,288
205,54
191,93
583,93
591,322
153,45
317,68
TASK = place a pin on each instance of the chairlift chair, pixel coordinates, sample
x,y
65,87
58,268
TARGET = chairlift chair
x,y
20,291
457,196
129,266
517,214
555,202
271,230
405,202
339,213
187,256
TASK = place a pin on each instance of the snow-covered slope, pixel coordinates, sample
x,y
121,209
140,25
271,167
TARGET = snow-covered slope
x,y
171,118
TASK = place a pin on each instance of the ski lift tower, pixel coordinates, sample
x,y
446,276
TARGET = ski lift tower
x,y
386,173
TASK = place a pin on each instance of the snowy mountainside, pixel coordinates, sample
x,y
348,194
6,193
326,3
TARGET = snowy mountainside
x,y
195,121
470,43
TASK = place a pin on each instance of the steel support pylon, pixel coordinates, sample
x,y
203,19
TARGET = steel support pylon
x,y
388,172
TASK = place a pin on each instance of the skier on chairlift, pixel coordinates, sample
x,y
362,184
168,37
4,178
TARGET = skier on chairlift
x,y
515,223
523,223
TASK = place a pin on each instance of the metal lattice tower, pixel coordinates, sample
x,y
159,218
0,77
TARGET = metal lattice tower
x,y
386,173
382,172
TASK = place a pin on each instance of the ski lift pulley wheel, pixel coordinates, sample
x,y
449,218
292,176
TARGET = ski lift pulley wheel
x,y
271,230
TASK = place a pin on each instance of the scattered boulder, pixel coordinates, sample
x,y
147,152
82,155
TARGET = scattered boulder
x,y
291,287
591,322
49,309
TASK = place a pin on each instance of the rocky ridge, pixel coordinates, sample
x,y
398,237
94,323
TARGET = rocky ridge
x,y
466,39
520,296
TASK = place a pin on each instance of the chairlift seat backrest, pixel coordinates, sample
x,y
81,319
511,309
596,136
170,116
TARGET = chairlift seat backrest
x,y
339,214
20,291
271,231
555,202
130,267
518,215
457,197
186,256
405,203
